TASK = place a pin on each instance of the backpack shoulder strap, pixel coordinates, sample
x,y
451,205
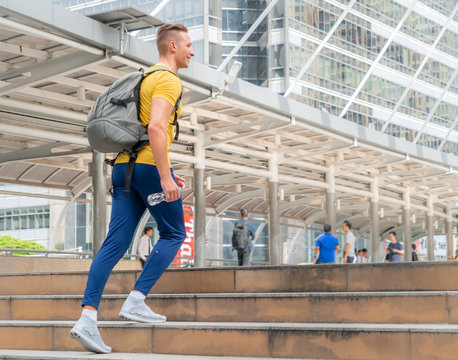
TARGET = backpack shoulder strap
x,y
177,103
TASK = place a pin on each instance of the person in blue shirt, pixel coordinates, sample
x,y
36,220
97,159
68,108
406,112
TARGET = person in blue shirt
x,y
394,249
327,245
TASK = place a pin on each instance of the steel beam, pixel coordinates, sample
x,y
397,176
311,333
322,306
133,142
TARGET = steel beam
x,y
47,70
40,152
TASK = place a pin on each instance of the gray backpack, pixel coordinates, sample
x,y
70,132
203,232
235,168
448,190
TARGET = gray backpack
x,y
113,123
240,239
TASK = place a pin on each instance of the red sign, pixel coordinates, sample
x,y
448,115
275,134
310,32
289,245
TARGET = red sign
x,y
185,256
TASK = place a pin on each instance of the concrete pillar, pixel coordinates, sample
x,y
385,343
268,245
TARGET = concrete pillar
x,y
407,227
275,245
374,222
451,243
199,202
99,202
375,232
430,229
331,199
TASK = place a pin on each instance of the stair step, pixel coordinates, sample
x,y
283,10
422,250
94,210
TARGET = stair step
x,y
313,340
420,276
79,355
343,307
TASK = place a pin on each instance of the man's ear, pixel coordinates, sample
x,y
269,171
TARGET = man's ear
x,y
172,46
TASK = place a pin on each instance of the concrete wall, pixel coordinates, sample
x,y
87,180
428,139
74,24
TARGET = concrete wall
x,y
22,264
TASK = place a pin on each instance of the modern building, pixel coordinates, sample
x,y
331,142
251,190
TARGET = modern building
x,y
389,65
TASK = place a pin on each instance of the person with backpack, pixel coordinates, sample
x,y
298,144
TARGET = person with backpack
x,y
150,173
242,237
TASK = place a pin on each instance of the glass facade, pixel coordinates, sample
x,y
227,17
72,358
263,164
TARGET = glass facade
x,y
409,90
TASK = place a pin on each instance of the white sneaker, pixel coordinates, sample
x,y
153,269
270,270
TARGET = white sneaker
x,y
137,310
85,331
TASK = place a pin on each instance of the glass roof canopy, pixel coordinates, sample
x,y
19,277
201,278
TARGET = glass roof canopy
x,y
54,64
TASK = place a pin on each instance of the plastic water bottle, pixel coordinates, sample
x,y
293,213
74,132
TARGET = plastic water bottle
x,y
156,198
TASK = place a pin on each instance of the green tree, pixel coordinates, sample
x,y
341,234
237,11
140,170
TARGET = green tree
x,y
12,243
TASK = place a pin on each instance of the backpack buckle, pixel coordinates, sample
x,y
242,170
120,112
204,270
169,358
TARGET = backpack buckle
x,y
118,102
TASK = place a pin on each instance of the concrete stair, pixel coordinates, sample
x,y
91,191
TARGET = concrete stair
x,y
380,311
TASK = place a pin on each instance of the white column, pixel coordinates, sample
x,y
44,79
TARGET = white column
x,y
407,226
374,221
430,229
275,246
99,201
331,198
199,201
451,243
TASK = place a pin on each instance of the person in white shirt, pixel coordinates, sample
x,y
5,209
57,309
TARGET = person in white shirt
x,y
144,244
349,249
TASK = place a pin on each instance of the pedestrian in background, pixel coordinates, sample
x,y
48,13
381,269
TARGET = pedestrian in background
x,y
395,248
349,249
144,245
327,245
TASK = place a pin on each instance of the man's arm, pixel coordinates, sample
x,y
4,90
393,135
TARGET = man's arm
x,y
401,252
347,250
160,113
317,250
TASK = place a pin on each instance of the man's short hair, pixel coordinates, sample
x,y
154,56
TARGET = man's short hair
x,y
392,233
347,223
165,34
146,229
414,247
327,228
244,213
364,250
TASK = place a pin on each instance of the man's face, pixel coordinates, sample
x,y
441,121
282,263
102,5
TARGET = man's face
x,y
184,51
392,238
149,233
344,227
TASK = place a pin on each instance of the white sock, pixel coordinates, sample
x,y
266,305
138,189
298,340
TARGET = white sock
x,y
91,314
137,295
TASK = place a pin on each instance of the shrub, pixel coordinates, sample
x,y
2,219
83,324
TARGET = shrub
x,y
12,243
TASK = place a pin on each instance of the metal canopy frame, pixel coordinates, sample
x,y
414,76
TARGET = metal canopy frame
x,y
241,132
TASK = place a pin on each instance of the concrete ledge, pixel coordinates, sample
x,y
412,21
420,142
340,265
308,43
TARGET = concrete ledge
x,y
34,264
399,307
79,355
318,341
423,276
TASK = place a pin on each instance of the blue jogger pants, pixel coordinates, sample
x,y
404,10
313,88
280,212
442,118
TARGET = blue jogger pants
x,y
125,215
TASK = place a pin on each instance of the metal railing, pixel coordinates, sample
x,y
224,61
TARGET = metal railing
x,y
236,261
46,252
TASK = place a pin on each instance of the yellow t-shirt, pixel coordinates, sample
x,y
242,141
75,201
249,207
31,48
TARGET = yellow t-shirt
x,y
160,84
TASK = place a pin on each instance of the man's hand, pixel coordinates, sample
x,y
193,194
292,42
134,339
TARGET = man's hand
x,y
345,260
180,181
170,188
